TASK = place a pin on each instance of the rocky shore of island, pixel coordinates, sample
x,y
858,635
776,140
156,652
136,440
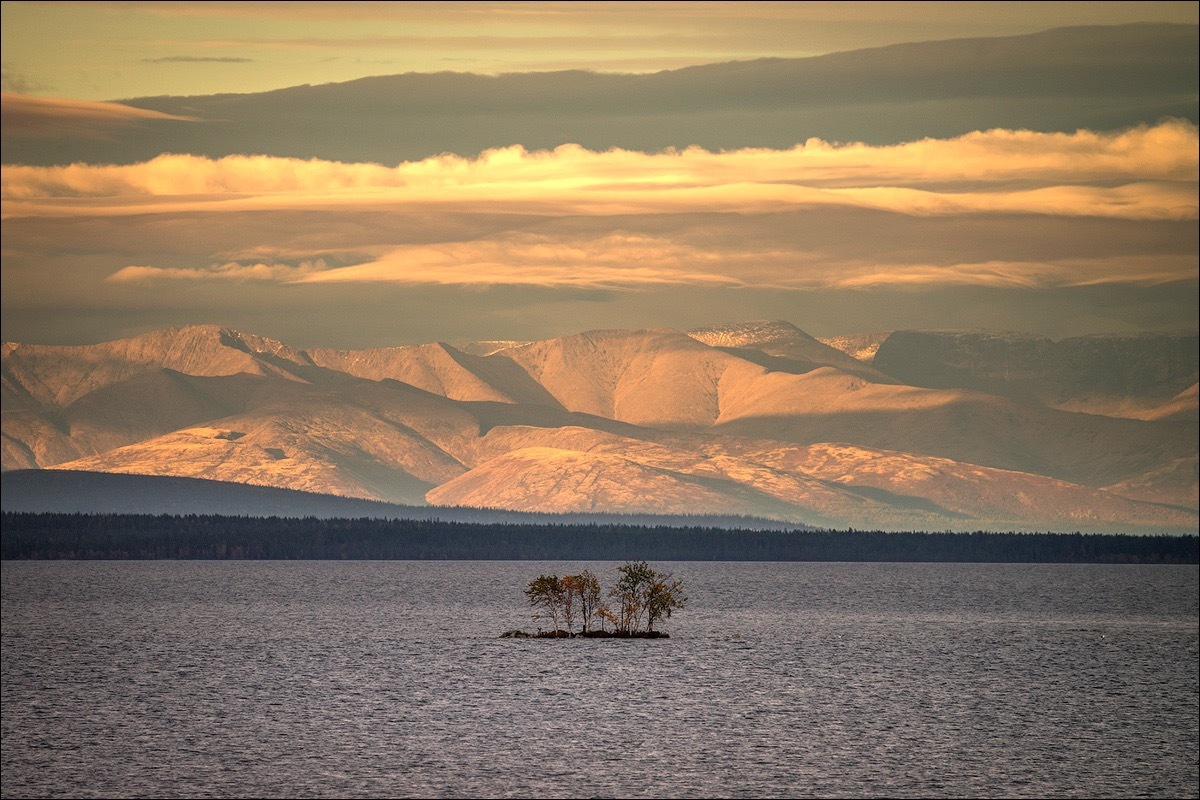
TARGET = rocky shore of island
x,y
560,634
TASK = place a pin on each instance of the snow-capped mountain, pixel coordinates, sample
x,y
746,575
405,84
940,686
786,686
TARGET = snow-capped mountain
x,y
942,431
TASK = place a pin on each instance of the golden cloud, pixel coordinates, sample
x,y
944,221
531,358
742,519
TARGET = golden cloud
x,y
615,261
630,261
230,271
1144,270
1142,173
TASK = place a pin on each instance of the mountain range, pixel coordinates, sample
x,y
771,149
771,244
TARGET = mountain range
x,y
907,430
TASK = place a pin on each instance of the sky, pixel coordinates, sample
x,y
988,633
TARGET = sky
x,y
371,174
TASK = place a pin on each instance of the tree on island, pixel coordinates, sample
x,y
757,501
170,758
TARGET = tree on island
x,y
545,592
583,590
644,594
664,596
627,595
642,597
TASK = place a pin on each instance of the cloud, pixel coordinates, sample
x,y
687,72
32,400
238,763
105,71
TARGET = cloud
x,y
631,260
37,117
1061,80
1003,209
612,262
1141,270
480,43
637,15
13,81
197,59
1143,173
829,269
621,261
230,271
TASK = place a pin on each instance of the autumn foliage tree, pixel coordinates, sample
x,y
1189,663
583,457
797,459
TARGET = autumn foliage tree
x,y
641,597
664,595
582,594
629,595
644,596
546,596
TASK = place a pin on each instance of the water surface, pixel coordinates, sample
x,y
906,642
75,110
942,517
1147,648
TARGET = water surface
x,y
388,679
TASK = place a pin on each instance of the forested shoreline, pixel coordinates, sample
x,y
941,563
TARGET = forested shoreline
x,y
133,537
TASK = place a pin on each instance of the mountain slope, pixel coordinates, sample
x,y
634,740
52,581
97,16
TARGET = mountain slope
x,y
654,377
61,491
860,487
59,375
769,423
552,479
441,369
1125,375
379,441
1000,498
150,403
779,345
860,346
973,427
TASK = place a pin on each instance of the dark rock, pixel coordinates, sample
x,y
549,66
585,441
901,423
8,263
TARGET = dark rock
x,y
586,635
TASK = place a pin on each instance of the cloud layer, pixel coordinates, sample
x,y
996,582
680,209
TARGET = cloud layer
x,y
1142,173
1059,80
30,117
1031,182
1148,173
313,43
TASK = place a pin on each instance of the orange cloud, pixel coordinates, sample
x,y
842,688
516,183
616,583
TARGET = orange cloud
x,y
30,116
615,261
274,273
1143,270
1142,173
627,261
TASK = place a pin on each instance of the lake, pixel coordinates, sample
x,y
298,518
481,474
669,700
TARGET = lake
x,y
389,679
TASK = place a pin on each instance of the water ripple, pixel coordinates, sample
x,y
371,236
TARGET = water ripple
x,y
387,679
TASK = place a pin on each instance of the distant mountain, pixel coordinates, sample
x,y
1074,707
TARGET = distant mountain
x,y
487,348
782,346
441,369
861,346
943,431
639,479
63,491
1143,376
112,493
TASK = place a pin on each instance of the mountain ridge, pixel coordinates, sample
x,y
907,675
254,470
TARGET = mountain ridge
x,y
1082,373
761,419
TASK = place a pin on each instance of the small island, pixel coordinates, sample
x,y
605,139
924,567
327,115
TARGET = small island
x,y
641,597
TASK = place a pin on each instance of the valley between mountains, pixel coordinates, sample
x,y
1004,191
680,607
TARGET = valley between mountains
x,y
906,430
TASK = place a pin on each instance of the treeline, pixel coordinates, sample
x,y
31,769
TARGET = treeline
x,y
122,536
